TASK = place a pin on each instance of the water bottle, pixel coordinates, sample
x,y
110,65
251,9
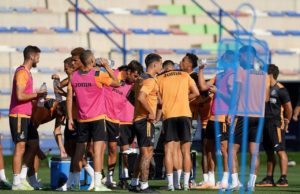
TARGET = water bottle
x,y
41,100
111,63
207,62
56,84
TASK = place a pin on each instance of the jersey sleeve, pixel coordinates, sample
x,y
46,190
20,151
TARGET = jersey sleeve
x,y
148,85
22,78
104,79
284,96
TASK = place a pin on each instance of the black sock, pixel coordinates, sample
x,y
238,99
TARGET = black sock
x,y
283,177
269,177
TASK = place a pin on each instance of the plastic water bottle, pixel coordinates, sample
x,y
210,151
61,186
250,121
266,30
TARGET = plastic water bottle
x,y
56,84
207,62
41,100
111,63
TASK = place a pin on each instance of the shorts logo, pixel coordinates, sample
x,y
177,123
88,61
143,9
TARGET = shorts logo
x,y
22,136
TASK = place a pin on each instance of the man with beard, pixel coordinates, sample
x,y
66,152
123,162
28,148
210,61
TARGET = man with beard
x,y
20,112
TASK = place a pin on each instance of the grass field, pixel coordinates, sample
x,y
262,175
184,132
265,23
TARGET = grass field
x,y
293,178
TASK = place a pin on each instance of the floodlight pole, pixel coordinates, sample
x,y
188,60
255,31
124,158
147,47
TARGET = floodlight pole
x,y
76,15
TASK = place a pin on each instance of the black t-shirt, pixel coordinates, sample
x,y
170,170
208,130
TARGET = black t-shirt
x,y
278,97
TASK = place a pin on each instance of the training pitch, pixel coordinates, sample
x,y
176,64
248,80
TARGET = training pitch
x,y
293,178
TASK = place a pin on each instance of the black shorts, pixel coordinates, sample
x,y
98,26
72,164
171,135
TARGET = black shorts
x,y
144,132
273,136
113,131
177,129
253,123
71,135
126,134
93,130
222,131
21,129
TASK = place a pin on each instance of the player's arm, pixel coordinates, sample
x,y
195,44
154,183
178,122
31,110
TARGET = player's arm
x,y
147,87
297,110
203,86
58,136
69,105
159,107
21,80
287,107
193,90
115,82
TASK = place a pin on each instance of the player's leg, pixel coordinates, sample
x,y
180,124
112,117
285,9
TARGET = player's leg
x,y
283,158
4,184
169,156
177,165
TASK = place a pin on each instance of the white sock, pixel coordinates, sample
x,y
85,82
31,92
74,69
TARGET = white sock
x,y
225,178
134,182
32,179
70,180
125,173
211,178
2,175
170,179
110,175
24,171
89,170
179,172
98,178
144,185
235,179
76,178
205,177
186,179
16,179
252,179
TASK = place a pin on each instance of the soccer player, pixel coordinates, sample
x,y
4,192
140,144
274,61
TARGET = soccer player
x,y
275,128
251,94
87,83
221,86
144,115
20,123
177,119
119,111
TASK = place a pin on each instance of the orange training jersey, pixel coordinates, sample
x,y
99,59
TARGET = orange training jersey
x,y
148,85
174,88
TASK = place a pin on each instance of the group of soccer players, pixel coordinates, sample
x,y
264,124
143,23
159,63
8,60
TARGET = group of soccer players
x,y
107,108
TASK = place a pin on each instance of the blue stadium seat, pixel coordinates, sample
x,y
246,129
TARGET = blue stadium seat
x,y
145,51
198,51
276,14
241,33
101,30
46,70
292,13
61,30
6,10
158,31
22,29
101,11
139,31
5,30
5,91
283,52
4,112
4,70
182,51
156,12
23,9
47,50
278,33
139,12
293,32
